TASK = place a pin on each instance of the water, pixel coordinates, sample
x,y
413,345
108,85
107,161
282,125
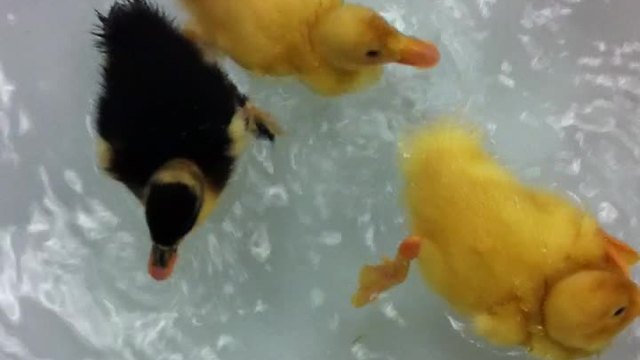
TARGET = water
x,y
556,82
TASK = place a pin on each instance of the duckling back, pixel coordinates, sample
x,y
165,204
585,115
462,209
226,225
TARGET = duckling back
x,y
444,166
264,36
160,99
488,237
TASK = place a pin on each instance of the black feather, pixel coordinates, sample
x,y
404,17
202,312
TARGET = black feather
x,y
160,99
264,132
171,211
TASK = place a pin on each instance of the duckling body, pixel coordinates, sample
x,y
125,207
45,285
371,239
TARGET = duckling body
x,y
519,262
170,125
218,24
333,47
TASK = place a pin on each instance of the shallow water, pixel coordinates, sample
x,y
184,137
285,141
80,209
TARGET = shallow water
x,y
557,83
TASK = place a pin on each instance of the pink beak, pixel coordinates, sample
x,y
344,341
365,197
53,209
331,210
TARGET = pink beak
x,y
418,53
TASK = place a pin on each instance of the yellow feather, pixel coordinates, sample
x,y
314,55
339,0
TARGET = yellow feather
x,y
482,226
323,42
525,266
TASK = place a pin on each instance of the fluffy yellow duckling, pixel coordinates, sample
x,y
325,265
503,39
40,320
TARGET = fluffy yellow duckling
x,y
333,47
527,267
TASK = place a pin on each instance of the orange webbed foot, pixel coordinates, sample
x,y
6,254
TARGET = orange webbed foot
x,y
622,255
410,248
375,279
258,117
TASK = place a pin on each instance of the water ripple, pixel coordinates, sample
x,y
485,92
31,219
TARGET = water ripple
x,y
8,276
269,276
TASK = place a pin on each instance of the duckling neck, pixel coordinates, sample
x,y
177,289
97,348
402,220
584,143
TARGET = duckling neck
x,y
173,201
320,36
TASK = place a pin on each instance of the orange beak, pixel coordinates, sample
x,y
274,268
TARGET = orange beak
x,y
161,262
418,53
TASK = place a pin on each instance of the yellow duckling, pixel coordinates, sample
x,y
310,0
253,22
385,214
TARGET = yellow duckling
x,y
170,125
333,47
527,267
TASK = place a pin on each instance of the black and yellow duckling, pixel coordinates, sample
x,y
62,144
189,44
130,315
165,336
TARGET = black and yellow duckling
x,y
170,124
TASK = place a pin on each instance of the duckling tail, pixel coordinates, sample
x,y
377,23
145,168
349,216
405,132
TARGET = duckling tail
x,y
134,27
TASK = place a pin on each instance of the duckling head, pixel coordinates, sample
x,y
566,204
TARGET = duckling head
x,y
587,309
173,202
353,36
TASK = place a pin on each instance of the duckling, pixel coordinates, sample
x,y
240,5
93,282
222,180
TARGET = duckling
x,y
170,125
333,47
527,267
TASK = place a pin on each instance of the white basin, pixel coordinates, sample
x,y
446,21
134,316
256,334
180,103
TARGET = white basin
x,y
270,275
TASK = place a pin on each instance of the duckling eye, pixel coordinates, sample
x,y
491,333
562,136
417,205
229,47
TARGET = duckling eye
x,y
373,53
620,311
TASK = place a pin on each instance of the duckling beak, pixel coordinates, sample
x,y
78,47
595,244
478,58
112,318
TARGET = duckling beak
x,y
161,261
418,53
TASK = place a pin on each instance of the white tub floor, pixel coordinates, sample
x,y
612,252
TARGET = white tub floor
x,y
270,275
